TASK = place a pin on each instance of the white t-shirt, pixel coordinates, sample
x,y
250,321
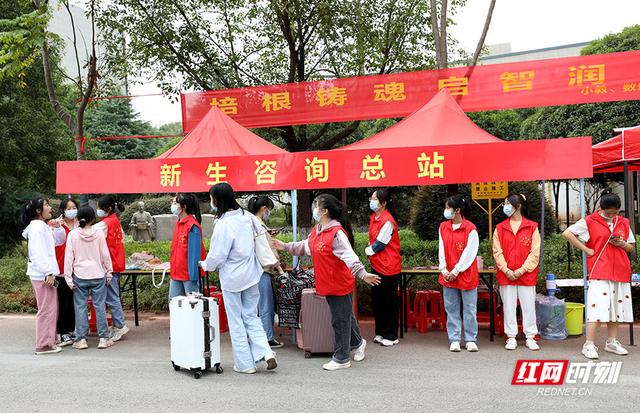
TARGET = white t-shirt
x,y
581,230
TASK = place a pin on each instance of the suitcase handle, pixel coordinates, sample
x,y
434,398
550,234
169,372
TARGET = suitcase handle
x,y
212,334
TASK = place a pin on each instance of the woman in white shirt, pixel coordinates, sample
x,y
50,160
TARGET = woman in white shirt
x,y
458,248
42,268
232,253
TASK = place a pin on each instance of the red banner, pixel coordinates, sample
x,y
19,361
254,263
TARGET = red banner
x,y
583,79
431,165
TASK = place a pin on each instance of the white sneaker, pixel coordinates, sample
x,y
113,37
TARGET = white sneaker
x,y
52,350
81,344
532,344
332,365
389,343
377,339
64,340
615,347
271,361
471,346
105,343
455,346
590,351
250,370
117,333
511,344
358,355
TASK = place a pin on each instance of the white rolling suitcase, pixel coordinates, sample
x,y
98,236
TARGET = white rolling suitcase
x,y
195,334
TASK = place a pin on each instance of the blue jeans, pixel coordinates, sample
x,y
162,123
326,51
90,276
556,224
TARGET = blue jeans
x,y
346,331
266,304
248,340
98,289
177,287
468,299
113,301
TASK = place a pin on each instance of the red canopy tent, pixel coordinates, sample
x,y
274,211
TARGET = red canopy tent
x,y
440,122
611,155
219,135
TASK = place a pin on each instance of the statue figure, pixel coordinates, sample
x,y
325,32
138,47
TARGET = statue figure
x,y
142,224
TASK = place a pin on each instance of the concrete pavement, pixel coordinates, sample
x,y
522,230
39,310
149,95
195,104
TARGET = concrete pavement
x,y
420,374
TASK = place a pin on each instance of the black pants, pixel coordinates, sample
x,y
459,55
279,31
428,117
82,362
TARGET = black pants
x,y
66,313
345,327
384,297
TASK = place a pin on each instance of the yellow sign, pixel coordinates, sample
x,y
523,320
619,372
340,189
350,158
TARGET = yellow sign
x,y
490,190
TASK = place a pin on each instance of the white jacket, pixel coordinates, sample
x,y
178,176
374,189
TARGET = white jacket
x,y
42,241
233,251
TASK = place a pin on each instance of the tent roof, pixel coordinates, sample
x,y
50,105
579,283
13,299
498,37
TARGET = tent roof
x,y
610,155
219,135
440,122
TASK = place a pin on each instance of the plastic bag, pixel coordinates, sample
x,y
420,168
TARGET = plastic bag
x,y
289,288
551,317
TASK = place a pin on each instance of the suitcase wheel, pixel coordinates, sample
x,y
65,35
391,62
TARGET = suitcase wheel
x,y
197,374
219,369
307,354
175,367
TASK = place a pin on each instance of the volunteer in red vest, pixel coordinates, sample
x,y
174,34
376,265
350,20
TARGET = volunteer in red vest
x,y
187,247
457,251
110,225
384,254
336,266
516,251
607,240
66,314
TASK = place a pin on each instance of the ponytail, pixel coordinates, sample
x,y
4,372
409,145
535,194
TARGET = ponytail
x,y
108,204
338,211
460,202
190,204
86,216
29,211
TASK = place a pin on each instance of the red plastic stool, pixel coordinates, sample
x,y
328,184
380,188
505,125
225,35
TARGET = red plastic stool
x,y
213,292
428,309
407,308
484,316
93,323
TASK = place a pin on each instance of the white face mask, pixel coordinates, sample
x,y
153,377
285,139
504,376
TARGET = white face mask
x,y
71,213
508,209
266,215
101,213
448,213
213,207
316,214
175,209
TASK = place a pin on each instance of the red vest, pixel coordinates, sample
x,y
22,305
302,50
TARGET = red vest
x,y
180,249
388,261
613,262
516,248
332,276
454,243
60,249
114,242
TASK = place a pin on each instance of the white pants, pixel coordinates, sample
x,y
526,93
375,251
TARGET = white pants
x,y
510,295
248,339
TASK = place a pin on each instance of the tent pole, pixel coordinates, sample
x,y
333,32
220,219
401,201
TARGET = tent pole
x,y
294,219
630,214
584,255
541,228
568,212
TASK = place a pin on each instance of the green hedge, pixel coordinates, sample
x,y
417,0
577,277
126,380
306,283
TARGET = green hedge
x,y
16,294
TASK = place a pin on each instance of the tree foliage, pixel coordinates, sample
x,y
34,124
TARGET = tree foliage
x,y
428,207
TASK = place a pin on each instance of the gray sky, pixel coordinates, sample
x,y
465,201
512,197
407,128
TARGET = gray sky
x,y
526,24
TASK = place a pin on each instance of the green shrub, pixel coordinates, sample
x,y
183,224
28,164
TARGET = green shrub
x,y
428,206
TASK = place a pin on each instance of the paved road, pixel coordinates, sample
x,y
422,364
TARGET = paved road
x,y
418,375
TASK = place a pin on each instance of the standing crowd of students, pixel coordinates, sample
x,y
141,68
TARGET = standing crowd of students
x,y
93,256
69,258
